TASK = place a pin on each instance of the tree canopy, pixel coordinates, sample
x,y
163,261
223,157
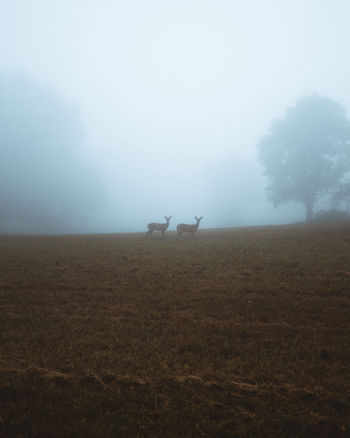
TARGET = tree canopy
x,y
44,184
307,154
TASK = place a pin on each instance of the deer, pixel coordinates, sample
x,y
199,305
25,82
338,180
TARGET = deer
x,y
153,226
188,228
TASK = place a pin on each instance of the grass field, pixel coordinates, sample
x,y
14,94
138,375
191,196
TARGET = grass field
x,y
233,333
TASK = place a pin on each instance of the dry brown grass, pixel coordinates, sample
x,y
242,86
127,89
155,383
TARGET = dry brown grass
x,y
234,333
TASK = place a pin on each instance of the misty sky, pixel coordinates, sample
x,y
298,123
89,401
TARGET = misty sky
x,y
175,94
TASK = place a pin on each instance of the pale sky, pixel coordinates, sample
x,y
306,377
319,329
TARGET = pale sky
x,y
176,94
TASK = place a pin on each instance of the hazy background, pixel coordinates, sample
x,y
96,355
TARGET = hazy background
x,y
173,97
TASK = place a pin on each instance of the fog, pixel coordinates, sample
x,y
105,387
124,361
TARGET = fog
x,y
170,99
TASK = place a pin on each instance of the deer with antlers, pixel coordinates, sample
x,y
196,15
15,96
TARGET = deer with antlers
x,y
188,228
153,226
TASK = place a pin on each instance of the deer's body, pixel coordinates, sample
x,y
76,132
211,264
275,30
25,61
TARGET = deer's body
x,y
153,226
185,228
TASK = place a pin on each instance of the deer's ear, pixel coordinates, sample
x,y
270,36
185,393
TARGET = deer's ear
x,y
196,218
201,217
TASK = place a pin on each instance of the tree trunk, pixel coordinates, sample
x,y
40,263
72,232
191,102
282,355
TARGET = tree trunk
x,y
309,205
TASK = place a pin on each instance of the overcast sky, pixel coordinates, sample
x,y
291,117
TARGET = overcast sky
x,y
176,94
